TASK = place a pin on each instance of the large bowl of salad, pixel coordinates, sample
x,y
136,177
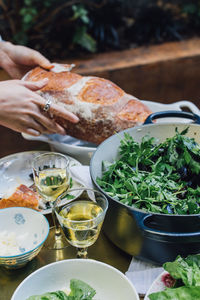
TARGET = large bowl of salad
x,y
151,176
76,279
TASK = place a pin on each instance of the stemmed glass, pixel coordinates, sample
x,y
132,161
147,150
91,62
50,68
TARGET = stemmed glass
x,y
51,177
82,218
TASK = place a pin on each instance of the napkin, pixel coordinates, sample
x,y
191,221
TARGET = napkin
x,y
81,174
140,273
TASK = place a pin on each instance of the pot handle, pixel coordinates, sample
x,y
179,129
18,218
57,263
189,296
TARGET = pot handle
x,y
172,113
164,233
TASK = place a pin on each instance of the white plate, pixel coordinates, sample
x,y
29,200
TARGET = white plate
x,y
16,168
83,151
157,286
109,283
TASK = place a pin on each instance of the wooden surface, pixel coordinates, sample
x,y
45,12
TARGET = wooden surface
x,y
13,142
164,73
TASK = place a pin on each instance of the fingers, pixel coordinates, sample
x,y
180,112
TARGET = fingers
x,y
27,124
35,132
63,113
34,127
36,124
34,85
56,109
26,56
49,124
32,131
61,130
39,59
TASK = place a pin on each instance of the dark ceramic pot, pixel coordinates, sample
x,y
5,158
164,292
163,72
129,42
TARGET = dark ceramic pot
x,y
150,236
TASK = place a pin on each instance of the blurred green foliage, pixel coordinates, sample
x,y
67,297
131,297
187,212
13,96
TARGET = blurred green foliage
x,y
66,28
192,11
47,24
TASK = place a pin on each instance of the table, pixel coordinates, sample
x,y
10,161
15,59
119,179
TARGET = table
x,y
103,250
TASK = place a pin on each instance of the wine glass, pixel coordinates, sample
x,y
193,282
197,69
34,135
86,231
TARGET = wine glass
x,y
82,218
51,177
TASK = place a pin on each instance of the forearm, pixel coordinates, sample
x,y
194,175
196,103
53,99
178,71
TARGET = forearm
x,y
4,48
4,45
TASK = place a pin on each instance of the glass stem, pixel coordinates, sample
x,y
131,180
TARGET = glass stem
x,y
82,253
56,224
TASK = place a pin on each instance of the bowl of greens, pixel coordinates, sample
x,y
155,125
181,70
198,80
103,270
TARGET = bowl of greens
x,y
76,279
151,176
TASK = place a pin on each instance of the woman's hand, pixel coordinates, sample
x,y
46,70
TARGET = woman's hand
x,y
18,60
21,108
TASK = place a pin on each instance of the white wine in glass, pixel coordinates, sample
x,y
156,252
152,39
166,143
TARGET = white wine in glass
x,y
51,177
82,219
51,182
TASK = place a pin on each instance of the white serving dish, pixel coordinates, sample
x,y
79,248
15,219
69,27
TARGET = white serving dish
x,y
108,282
83,151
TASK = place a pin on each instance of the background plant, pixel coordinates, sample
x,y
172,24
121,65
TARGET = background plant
x,y
66,28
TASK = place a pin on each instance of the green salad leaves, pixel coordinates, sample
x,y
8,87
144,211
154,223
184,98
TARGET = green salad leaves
x,y
58,295
161,178
79,290
186,271
187,293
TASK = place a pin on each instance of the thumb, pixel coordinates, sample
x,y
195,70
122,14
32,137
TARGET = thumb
x,y
35,85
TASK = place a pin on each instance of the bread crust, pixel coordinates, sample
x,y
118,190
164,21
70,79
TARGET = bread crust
x,y
23,196
102,107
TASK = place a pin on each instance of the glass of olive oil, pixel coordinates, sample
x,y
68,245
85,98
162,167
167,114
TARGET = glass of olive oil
x,y
82,218
51,177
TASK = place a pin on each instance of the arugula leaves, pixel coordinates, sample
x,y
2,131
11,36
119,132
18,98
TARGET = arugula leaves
x,y
161,178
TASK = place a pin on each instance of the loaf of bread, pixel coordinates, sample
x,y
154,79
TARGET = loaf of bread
x,y
102,107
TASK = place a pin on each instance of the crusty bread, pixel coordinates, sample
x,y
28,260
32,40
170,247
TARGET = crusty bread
x,y
102,107
23,196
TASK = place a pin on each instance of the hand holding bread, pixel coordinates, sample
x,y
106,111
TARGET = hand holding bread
x,y
102,107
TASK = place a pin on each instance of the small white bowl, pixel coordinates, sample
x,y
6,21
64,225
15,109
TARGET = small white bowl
x,y
108,282
27,229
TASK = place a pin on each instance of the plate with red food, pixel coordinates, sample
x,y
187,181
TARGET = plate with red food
x,y
17,185
180,280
